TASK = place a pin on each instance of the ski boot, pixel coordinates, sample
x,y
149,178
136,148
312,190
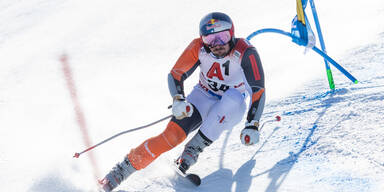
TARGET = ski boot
x,y
191,151
118,174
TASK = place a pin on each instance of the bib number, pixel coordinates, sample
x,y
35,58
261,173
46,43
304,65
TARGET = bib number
x,y
217,86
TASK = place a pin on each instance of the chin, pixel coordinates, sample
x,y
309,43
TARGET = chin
x,y
220,54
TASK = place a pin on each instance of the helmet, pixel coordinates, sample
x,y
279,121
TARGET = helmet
x,y
216,22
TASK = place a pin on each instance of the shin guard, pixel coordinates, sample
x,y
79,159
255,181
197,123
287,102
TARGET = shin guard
x,y
149,150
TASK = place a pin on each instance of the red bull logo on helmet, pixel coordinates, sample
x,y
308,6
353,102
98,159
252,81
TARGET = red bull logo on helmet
x,y
212,23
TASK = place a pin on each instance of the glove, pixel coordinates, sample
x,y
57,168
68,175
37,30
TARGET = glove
x,y
250,134
181,108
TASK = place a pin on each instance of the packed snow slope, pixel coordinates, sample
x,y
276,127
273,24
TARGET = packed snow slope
x,y
120,53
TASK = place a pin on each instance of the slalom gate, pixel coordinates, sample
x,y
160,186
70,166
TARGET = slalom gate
x,y
302,34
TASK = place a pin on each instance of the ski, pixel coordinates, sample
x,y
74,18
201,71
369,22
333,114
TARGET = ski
x,y
192,178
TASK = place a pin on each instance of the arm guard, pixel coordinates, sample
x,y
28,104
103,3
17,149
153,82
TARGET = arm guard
x,y
184,67
254,75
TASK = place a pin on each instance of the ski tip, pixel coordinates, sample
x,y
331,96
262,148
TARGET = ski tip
x,y
195,179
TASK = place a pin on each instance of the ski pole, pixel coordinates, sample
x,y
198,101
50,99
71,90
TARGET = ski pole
x,y
322,44
77,155
277,118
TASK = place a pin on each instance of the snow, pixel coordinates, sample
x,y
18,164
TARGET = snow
x,y
120,53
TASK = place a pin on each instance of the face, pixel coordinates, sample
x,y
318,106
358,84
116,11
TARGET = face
x,y
220,50
218,42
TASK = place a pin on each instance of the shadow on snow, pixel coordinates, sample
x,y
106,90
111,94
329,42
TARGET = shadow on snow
x,y
223,179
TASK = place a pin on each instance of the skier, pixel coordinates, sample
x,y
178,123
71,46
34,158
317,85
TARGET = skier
x,y
230,68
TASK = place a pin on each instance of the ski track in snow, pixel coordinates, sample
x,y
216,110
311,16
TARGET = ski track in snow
x,y
326,140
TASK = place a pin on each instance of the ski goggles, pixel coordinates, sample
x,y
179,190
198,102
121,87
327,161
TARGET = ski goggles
x,y
215,39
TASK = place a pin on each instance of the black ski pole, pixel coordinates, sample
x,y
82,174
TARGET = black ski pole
x,y
77,155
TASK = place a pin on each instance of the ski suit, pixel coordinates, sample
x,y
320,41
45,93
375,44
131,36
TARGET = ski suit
x,y
218,98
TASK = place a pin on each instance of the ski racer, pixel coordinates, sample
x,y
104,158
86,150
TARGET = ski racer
x,y
230,70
